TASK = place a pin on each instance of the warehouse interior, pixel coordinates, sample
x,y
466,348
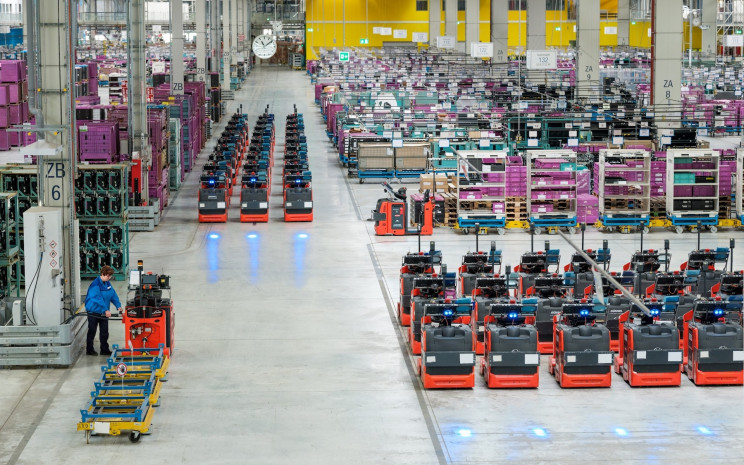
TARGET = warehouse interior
x,y
419,232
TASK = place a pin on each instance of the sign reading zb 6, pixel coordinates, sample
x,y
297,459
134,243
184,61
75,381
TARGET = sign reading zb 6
x,y
150,94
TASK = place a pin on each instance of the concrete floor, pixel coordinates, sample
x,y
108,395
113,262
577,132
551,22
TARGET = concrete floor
x,y
287,351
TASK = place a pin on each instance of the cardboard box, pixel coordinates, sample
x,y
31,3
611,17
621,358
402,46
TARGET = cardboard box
x,y
432,183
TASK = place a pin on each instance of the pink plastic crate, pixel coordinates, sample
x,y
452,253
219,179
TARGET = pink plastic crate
x,y
4,94
4,140
15,92
15,113
15,138
12,70
4,117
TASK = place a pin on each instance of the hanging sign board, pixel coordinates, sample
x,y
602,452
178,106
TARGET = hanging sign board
x,y
542,59
481,49
419,37
445,42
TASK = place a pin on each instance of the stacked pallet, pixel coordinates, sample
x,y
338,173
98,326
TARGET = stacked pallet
x,y
450,209
516,209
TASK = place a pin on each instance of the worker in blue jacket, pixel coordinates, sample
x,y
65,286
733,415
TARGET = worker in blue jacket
x,y
98,300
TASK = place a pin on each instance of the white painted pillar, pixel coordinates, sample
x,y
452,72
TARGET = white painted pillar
x,y
500,30
176,46
435,21
536,24
587,42
472,23
666,65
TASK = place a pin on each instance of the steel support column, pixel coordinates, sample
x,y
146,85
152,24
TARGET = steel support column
x,y
623,23
536,24
176,46
233,31
666,62
472,23
587,42
450,18
500,30
200,13
708,47
226,46
136,82
435,21
215,50
57,33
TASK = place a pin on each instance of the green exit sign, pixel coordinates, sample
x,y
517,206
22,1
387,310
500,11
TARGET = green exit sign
x,y
343,56
364,41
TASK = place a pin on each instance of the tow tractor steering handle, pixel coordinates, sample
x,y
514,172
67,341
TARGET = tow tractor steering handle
x,y
400,194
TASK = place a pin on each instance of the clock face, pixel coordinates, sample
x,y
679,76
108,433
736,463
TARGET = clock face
x,y
264,46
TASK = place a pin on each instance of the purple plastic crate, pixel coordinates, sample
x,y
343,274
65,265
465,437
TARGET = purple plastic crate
x,y
12,70
703,191
15,138
15,93
4,140
4,94
4,117
15,114
28,138
24,112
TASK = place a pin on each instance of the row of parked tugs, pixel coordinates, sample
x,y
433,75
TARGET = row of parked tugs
x,y
256,174
690,320
297,178
220,172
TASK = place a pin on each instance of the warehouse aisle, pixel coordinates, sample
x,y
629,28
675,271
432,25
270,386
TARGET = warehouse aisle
x,y
284,351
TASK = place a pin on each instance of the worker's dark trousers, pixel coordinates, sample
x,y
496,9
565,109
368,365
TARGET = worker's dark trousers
x,y
94,321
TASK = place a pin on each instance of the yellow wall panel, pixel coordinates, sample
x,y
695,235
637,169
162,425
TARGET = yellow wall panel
x,y
336,25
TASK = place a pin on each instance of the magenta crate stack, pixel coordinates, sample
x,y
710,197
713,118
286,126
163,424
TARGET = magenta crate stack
x,y
98,141
4,117
4,140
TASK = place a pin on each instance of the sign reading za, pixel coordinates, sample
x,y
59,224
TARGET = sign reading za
x,y
343,56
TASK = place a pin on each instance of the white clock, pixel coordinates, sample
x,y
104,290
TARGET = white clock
x,y
264,46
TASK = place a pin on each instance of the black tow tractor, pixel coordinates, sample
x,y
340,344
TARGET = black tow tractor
x,y
478,264
213,199
511,358
532,264
649,352
582,355
488,291
715,347
551,293
447,346
415,264
391,214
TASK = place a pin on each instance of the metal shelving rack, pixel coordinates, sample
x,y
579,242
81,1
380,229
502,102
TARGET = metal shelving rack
x,y
692,188
624,188
485,171
552,175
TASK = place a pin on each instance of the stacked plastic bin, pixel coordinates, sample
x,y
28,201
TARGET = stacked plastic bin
x,y
98,141
101,204
13,104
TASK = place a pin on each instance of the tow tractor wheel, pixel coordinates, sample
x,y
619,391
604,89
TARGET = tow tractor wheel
x,y
134,436
418,367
